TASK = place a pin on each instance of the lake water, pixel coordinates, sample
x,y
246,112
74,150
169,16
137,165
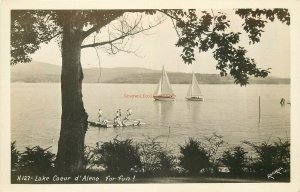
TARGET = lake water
x,y
228,110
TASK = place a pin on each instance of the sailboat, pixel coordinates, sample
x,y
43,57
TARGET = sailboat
x,y
194,92
164,90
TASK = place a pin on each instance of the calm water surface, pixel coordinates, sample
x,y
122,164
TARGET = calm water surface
x,y
228,110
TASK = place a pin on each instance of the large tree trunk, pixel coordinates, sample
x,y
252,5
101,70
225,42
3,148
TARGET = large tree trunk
x,y
74,118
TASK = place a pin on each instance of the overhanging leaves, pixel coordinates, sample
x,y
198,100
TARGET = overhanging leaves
x,y
197,30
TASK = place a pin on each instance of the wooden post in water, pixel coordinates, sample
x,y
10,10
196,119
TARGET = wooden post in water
x,y
259,109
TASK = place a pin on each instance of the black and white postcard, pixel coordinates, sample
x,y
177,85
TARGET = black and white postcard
x,y
123,94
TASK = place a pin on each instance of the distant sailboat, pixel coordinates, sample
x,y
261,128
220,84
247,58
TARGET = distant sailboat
x,y
194,92
164,90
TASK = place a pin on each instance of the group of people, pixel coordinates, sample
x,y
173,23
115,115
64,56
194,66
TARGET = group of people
x,y
118,117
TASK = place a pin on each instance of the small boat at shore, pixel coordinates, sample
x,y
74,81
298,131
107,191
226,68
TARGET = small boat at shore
x,y
164,90
194,92
107,124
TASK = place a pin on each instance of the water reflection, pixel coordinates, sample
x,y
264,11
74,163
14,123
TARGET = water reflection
x,y
163,110
282,107
194,109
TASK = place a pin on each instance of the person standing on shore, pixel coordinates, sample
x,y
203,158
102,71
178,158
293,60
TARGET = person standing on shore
x,y
100,114
120,113
129,112
120,117
116,117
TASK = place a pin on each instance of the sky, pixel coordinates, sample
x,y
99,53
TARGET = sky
x,y
157,48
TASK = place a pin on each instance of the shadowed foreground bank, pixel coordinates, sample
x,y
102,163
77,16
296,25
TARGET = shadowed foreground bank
x,y
207,160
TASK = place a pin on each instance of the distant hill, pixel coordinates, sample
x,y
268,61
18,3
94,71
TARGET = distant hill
x,y
36,72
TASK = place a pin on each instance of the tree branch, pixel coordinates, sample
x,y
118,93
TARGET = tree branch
x,y
103,43
130,32
50,38
102,24
180,20
175,28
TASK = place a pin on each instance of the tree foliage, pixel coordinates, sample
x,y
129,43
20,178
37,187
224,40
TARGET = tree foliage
x,y
254,21
270,157
118,156
15,156
36,160
197,30
235,159
213,144
194,158
28,30
211,31
155,158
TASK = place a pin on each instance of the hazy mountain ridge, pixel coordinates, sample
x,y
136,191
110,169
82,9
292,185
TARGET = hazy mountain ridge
x,y
36,72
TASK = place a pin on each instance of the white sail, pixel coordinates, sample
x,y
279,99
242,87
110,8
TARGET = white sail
x,y
194,89
189,93
164,86
158,88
